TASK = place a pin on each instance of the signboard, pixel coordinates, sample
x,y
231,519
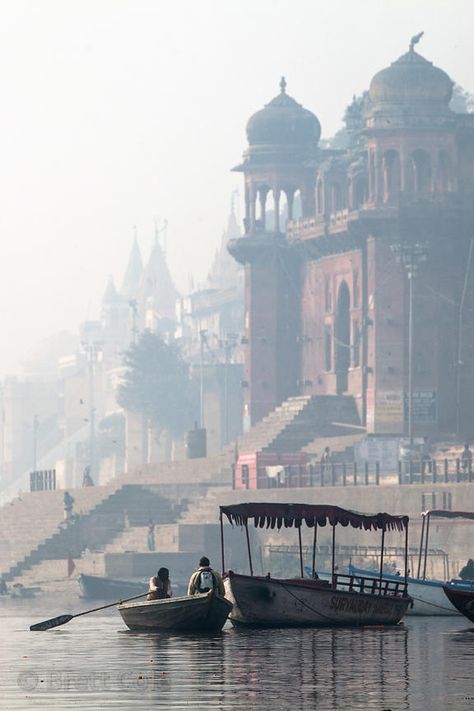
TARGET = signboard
x,y
424,406
389,411
370,408
383,450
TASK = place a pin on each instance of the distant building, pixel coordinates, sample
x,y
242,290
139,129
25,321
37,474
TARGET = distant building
x,y
210,328
326,302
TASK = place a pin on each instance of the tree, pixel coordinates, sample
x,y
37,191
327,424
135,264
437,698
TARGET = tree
x,y
157,384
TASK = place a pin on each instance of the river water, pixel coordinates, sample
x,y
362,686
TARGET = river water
x,y
93,662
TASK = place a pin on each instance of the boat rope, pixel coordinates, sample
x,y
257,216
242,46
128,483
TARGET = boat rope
x,y
433,604
302,602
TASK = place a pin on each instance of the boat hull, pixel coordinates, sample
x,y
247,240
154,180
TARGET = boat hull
x,y
190,613
428,597
463,600
270,602
95,587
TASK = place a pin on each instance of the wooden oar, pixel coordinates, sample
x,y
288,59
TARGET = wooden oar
x,y
63,619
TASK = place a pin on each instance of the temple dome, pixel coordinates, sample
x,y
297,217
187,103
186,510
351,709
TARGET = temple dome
x,y
411,80
283,122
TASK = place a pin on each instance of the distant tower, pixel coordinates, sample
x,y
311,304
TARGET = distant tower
x,y
279,163
133,272
157,293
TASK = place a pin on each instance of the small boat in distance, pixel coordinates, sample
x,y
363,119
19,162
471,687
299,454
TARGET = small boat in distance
x,y
203,612
344,600
96,587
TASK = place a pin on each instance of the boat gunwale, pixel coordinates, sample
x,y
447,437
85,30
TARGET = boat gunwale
x,y
150,604
303,583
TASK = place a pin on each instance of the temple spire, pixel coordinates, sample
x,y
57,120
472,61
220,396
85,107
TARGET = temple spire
x,y
283,85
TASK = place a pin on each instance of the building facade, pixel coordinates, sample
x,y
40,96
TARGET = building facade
x,y
327,296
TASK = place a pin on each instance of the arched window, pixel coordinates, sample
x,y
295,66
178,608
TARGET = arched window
x,y
421,166
360,191
343,339
391,176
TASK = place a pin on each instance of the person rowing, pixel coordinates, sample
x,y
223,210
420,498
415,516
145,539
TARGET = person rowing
x,y
160,585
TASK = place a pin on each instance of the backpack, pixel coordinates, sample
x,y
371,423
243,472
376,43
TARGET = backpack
x,y
205,581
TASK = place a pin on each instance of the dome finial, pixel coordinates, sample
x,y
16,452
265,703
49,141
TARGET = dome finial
x,y
414,40
283,85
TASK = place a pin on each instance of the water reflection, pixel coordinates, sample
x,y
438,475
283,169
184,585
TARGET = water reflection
x,y
425,664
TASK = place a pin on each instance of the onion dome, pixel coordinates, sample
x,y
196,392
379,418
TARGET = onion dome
x,y
412,81
283,122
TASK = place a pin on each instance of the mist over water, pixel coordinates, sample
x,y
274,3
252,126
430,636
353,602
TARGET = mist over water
x,y
96,663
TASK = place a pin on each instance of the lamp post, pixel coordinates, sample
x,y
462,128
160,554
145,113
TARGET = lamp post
x,y
410,255
202,343
92,350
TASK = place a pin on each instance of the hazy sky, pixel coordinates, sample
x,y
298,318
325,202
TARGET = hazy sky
x,y
116,111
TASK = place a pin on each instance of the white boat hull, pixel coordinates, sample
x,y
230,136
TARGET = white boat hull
x,y
271,602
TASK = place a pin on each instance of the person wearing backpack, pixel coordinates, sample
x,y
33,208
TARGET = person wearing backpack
x,y
205,579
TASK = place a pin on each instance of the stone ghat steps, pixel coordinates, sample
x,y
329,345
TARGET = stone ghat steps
x,y
315,419
33,520
95,527
34,517
272,425
203,509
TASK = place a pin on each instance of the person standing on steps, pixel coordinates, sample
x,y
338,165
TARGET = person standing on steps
x,y
151,536
68,504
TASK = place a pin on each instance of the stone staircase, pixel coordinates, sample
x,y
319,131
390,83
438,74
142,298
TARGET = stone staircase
x,y
32,527
271,426
93,527
299,421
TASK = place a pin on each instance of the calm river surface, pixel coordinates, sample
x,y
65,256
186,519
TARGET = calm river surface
x,y
95,663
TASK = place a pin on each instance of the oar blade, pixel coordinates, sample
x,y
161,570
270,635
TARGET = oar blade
x,y
49,624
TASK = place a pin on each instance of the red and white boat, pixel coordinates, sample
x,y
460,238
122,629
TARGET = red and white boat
x,y
344,600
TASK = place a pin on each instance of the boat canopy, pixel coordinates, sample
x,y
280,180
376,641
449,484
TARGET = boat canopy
x,y
446,513
275,515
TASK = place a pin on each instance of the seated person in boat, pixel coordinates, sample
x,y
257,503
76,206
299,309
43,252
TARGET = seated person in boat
x,y
160,585
467,573
205,578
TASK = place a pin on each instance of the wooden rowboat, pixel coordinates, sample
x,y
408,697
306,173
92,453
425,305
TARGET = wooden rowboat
x,y
203,612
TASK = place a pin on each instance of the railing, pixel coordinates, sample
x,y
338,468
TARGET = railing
x,y
372,586
434,471
43,480
321,474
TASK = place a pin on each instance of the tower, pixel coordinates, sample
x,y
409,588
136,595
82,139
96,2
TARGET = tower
x,y
278,165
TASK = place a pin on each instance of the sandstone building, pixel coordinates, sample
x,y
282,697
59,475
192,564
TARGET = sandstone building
x,y
326,301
